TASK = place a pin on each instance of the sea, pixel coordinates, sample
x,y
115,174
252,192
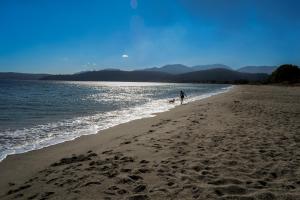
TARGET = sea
x,y
37,114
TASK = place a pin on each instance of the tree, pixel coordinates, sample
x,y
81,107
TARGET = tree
x,y
286,74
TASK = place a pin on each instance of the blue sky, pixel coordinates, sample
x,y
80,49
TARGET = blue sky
x,y
66,36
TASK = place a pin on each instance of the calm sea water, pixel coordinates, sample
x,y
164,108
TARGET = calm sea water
x,y
36,114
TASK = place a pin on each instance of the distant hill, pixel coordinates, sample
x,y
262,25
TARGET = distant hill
x,y
20,76
181,69
204,76
220,75
216,73
114,75
171,69
213,66
258,69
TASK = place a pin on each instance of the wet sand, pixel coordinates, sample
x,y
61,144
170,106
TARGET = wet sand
x,y
244,144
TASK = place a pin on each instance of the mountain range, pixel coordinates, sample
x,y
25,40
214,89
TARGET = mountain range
x,y
216,73
114,75
180,69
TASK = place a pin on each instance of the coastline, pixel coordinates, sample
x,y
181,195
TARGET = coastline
x,y
197,150
134,112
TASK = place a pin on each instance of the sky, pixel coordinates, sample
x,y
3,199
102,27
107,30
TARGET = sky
x,y
68,36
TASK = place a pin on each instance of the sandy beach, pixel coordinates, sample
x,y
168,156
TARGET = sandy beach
x,y
243,144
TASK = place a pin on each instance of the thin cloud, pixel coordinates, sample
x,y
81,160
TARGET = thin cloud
x,y
125,56
134,4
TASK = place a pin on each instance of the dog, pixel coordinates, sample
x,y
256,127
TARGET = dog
x,y
172,101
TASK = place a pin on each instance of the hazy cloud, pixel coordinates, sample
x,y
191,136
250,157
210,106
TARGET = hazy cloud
x,y
133,4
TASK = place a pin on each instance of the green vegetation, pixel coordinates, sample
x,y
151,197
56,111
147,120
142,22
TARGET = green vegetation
x,y
287,73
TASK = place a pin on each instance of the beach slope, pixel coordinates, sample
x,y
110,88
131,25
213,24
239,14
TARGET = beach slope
x,y
243,144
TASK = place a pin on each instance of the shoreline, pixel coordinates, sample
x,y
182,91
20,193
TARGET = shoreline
x,y
238,144
149,115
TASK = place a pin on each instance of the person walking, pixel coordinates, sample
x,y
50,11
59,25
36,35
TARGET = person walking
x,y
182,95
